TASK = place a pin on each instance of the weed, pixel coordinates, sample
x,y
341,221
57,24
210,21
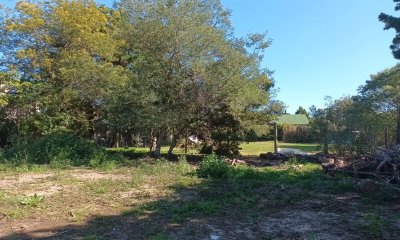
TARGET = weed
x,y
32,201
92,237
159,236
202,207
311,236
79,215
373,225
213,166
137,180
103,186
183,166
16,214
2,195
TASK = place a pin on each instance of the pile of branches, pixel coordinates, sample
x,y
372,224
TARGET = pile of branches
x,y
384,165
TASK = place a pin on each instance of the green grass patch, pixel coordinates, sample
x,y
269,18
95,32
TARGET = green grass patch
x,y
374,225
136,152
256,148
251,148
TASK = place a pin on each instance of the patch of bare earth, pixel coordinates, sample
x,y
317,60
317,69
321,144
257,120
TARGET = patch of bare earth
x,y
12,182
320,221
67,201
90,175
77,205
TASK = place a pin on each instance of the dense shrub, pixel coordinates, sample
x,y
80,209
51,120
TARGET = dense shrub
x,y
213,166
227,149
59,148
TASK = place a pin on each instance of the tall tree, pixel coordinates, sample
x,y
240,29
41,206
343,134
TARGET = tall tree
x,y
383,92
301,110
67,48
192,69
393,22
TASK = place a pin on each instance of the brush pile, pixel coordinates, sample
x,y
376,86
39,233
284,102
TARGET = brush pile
x,y
384,165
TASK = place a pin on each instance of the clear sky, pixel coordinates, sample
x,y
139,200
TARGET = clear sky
x,y
320,47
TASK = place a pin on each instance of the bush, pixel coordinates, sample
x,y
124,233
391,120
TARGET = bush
x,y
229,150
58,149
213,166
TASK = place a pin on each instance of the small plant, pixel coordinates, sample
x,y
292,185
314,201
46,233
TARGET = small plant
x,y
183,166
92,237
159,236
32,201
79,215
374,225
16,214
213,166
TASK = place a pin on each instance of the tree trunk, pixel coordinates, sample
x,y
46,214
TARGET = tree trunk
x,y
172,145
398,127
153,141
157,142
186,141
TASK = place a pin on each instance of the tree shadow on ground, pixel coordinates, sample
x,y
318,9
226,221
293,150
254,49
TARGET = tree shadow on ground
x,y
238,207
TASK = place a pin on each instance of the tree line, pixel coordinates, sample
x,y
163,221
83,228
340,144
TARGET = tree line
x,y
140,71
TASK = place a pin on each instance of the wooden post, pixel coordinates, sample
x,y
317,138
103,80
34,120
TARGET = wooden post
x,y
275,138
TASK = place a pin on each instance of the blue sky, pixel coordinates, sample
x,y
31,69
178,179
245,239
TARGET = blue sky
x,y
320,47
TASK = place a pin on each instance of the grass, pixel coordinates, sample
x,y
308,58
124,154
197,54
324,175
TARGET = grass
x,y
155,199
374,225
247,149
135,152
256,148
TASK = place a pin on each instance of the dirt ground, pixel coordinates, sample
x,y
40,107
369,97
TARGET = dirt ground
x,y
124,204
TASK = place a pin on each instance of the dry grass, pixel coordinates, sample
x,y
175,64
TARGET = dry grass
x,y
164,200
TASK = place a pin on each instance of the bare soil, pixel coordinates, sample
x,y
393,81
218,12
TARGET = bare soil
x,y
89,204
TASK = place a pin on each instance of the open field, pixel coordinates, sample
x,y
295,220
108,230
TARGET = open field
x,y
247,149
256,148
162,200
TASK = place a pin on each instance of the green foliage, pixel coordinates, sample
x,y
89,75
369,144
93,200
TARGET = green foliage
x,y
227,149
32,201
89,69
58,148
352,124
374,225
159,236
393,22
183,166
301,110
382,94
213,166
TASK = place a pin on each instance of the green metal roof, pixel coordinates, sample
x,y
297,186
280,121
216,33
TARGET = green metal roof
x,y
292,119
